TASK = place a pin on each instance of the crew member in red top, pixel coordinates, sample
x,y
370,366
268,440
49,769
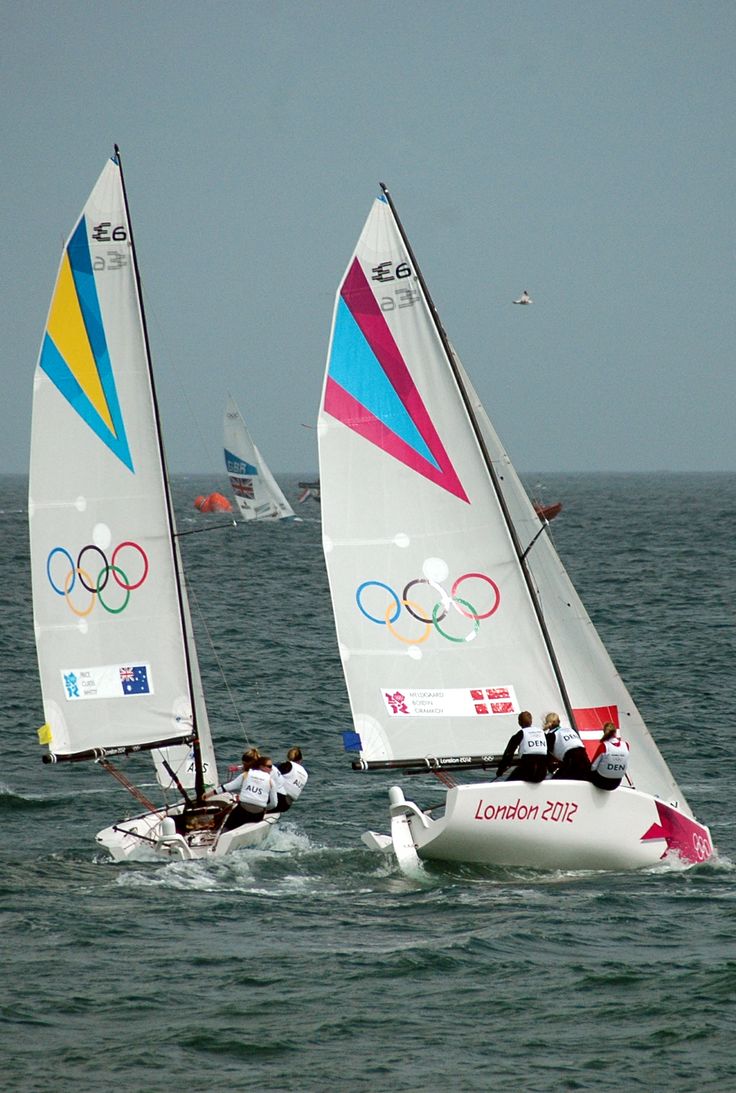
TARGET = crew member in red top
x,y
610,759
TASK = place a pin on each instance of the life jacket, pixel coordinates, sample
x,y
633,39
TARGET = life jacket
x,y
256,788
277,779
294,780
563,741
614,761
533,742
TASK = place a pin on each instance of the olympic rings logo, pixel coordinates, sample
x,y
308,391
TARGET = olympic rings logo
x,y
429,617
75,572
701,847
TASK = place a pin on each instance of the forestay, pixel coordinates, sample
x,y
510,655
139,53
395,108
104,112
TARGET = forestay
x,y
111,617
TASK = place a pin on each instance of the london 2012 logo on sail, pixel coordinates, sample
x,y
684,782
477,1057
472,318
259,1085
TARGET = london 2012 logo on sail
x,y
426,607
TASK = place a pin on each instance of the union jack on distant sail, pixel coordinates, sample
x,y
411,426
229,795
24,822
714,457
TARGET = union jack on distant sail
x,y
243,487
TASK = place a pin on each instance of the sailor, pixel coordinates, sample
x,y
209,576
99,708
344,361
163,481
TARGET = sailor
x,y
532,746
256,792
293,778
247,760
566,749
250,757
610,759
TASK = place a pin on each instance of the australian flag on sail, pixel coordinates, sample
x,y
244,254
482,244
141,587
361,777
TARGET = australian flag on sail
x,y
134,680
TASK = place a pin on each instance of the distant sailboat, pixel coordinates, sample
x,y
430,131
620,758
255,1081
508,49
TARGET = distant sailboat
x,y
452,608
525,298
547,512
258,495
309,489
117,660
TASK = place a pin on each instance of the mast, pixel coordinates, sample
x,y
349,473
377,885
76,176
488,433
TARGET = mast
x,y
199,773
521,554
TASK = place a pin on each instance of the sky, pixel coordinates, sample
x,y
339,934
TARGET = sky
x,y
582,151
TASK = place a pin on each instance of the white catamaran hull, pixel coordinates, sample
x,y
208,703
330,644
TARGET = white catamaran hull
x,y
154,835
550,825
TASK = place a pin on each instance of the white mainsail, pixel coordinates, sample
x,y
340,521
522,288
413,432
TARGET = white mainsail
x,y
258,495
113,634
453,610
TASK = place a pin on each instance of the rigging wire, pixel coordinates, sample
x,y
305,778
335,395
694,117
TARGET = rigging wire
x,y
130,786
203,621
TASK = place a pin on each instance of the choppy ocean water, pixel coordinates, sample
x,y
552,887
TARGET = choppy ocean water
x,y
313,964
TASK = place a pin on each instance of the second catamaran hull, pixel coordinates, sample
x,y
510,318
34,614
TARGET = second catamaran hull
x,y
145,838
552,825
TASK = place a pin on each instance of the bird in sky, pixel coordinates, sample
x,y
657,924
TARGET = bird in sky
x,y
525,298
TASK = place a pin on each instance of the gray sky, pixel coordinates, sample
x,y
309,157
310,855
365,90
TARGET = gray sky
x,y
584,151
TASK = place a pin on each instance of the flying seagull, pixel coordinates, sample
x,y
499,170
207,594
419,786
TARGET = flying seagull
x,y
525,298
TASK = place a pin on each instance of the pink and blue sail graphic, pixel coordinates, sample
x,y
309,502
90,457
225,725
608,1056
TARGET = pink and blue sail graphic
x,y
370,389
74,354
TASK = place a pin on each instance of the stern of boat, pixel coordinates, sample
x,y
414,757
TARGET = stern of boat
x,y
162,834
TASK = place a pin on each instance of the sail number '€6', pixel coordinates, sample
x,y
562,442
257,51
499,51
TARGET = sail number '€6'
x,y
405,296
105,233
387,271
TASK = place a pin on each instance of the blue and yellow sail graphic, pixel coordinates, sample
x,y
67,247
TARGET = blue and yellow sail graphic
x,y
74,354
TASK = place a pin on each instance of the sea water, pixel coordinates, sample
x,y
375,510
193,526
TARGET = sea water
x,y
312,963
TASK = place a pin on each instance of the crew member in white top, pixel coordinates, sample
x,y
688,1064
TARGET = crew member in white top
x,y
293,779
567,750
610,760
532,747
256,791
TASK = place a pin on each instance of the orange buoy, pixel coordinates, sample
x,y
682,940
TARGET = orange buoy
x,y
213,502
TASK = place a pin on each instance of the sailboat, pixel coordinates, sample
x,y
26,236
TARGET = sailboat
x,y
452,608
117,660
307,490
257,493
547,512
